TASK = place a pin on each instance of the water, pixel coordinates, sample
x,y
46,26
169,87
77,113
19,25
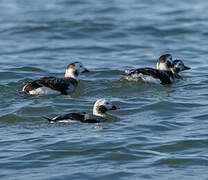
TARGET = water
x,y
160,132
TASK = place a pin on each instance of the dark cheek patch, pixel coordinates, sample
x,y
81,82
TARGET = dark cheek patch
x,y
102,109
76,73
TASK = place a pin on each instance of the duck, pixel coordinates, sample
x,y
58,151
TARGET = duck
x,y
151,74
101,106
55,85
178,66
166,72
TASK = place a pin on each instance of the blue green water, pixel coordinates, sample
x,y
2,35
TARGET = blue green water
x,y
159,132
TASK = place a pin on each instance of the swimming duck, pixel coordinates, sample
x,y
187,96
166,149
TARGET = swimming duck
x,y
178,66
167,71
55,85
100,108
150,74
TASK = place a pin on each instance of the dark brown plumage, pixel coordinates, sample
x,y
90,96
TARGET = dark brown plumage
x,y
163,76
58,84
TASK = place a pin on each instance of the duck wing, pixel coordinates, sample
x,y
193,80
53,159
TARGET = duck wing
x,y
155,73
71,116
58,84
82,117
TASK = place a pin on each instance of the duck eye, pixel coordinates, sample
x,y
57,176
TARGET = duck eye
x,y
107,103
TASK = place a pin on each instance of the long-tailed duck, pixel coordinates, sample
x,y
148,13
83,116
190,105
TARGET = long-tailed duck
x,y
178,66
54,85
101,106
166,72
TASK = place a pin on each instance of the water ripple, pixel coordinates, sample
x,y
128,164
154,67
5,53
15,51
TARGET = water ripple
x,y
159,132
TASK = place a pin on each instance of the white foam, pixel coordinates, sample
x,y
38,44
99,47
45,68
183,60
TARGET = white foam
x,y
142,78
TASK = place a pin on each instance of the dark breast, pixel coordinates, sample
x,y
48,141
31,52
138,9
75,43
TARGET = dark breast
x,y
174,75
155,73
58,84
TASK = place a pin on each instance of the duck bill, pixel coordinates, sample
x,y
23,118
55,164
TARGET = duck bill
x,y
186,68
85,71
114,107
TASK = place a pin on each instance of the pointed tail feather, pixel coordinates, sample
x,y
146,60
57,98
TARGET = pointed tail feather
x,y
49,119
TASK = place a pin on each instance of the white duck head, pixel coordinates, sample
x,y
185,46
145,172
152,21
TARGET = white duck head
x,y
178,66
101,106
164,62
73,70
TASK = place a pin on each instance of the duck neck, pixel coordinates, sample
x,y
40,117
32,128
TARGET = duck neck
x,y
71,73
162,67
175,73
175,70
99,111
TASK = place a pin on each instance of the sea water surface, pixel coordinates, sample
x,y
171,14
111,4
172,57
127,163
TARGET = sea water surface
x,y
159,132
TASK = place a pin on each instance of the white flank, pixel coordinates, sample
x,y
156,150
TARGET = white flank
x,y
44,90
67,121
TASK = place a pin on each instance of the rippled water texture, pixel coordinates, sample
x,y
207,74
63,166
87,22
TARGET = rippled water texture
x,y
160,132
